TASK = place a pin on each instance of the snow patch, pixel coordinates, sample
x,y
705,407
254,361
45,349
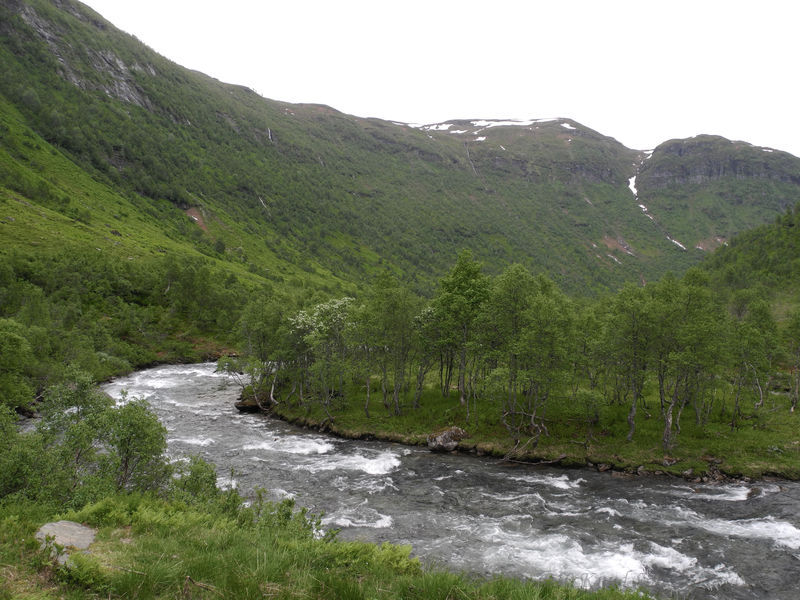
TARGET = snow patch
x,y
676,242
459,131
767,149
510,122
437,127
632,186
480,139
567,126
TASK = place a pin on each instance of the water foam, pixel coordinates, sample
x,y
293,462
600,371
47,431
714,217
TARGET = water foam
x,y
780,532
192,441
566,559
706,577
292,445
359,516
383,463
227,483
561,482
728,493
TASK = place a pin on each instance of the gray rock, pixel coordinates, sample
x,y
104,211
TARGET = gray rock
x,y
446,440
68,534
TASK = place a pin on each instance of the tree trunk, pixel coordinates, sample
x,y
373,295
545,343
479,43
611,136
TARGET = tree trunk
x,y
462,368
396,397
632,415
366,402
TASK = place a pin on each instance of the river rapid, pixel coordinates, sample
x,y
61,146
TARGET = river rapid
x,y
675,539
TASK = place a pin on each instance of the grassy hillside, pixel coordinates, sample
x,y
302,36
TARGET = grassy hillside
x,y
305,194
764,260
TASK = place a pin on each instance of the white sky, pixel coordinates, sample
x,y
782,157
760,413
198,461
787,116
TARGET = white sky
x,y
640,71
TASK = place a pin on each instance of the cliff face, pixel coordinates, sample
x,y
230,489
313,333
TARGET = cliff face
x,y
709,158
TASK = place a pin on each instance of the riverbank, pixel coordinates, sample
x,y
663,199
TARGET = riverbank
x,y
761,449
149,547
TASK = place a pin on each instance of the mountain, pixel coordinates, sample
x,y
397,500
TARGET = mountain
x,y
100,134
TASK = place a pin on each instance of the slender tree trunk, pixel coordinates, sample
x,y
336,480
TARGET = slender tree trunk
x,y
421,371
759,389
396,397
446,372
366,402
384,385
462,368
632,414
739,384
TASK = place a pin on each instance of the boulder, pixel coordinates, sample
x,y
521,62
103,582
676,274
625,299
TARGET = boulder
x,y
446,440
247,405
68,535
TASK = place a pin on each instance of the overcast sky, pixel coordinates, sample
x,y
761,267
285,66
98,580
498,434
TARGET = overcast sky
x,y
642,72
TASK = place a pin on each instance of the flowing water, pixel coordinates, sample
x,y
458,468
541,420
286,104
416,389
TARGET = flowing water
x,y
482,516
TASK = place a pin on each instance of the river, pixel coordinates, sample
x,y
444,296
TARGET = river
x,y
731,541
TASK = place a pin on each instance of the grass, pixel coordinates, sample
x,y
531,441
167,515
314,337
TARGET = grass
x,y
765,443
152,548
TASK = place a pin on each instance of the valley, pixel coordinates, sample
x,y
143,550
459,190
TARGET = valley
x,y
558,296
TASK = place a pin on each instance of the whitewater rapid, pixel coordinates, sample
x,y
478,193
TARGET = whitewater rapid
x,y
732,541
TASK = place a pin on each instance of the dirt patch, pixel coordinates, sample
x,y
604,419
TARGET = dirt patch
x,y
617,244
709,244
194,215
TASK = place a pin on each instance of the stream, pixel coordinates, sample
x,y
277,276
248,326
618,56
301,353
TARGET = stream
x,y
479,515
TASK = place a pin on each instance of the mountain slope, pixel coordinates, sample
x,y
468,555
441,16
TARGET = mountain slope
x,y
302,193
764,259
706,189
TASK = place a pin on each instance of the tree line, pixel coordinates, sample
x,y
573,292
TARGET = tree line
x,y
516,345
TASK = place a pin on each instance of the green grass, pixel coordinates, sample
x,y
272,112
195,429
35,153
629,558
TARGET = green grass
x,y
151,548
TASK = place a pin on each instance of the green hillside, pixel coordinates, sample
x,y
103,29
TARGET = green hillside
x,y
707,189
305,194
764,260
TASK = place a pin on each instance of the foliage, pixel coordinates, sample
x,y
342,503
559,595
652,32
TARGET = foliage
x,y
536,369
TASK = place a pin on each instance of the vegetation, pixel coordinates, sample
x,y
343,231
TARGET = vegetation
x,y
531,374
166,530
151,214
304,194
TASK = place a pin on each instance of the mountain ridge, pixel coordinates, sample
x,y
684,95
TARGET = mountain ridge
x,y
295,190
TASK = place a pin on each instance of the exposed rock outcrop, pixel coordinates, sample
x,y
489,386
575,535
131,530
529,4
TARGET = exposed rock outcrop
x,y
446,440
